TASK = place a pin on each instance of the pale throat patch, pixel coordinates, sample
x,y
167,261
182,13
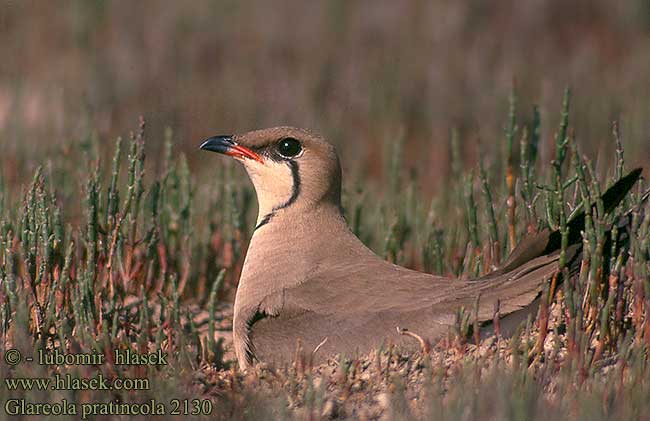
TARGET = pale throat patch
x,y
276,185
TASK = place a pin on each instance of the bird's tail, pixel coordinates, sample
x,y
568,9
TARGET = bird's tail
x,y
518,283
547,242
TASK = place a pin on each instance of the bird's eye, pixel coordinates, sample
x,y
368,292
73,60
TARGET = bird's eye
x,y
289,147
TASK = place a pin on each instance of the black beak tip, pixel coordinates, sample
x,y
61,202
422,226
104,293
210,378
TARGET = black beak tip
x,y
219,144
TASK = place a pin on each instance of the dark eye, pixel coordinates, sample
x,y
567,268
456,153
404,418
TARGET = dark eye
x,y
289,147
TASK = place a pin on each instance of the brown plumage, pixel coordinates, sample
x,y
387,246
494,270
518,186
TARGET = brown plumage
x,y
307,277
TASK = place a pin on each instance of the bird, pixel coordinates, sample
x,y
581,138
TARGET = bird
x,y
307,279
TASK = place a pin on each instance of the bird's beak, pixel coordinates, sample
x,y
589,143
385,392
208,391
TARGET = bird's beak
x,y
227,146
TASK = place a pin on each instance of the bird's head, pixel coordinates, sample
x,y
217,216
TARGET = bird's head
x,y
290,168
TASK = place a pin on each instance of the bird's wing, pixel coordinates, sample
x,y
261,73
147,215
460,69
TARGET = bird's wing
x,y
355,312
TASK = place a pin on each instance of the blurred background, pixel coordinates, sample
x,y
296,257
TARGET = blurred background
x,y
363,73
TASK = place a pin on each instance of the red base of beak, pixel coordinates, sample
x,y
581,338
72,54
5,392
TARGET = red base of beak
x,y
242,152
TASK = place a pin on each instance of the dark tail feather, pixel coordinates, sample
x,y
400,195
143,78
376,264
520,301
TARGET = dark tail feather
x,y
546,242
611,199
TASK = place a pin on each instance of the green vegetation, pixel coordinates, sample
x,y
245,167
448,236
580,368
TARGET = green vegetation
x,y
111,254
